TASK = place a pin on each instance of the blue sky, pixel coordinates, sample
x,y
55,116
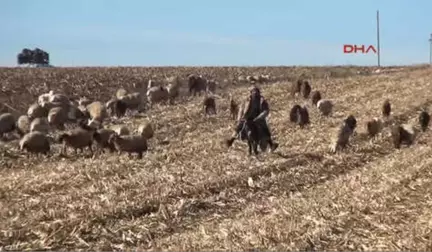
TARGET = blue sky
x,y
222,32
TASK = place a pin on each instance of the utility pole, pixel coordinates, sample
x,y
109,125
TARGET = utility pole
x,y
378,39
430,50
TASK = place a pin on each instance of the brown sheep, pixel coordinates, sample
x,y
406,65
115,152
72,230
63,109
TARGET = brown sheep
x,y
424,119
305,89
35,142
196,84
209,105
302,116
386,108
296,87
130,144
157,95
316,96
133,101
341,140
325,107
116,107
351,122
294,113
77,138
7,124
374,127
234,108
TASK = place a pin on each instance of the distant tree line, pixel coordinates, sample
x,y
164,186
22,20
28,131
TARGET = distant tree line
x,y
36,56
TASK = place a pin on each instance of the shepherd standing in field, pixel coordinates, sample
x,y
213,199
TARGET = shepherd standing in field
x,y
257,109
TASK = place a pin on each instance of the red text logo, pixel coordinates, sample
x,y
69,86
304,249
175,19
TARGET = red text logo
x,y
359,48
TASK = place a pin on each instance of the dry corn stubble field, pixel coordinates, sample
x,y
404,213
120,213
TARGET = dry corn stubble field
x,y
193,194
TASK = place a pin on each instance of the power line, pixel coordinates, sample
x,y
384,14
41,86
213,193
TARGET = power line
x,y
378,39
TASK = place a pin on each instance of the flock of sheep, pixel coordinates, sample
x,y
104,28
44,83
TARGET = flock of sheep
x,y
53,110
400,133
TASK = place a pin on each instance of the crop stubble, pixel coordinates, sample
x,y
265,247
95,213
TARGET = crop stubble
x,y
202,187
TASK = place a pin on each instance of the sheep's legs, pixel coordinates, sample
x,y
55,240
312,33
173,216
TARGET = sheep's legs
x,y
90,148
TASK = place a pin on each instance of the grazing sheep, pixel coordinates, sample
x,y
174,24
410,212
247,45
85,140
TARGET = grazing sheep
x,y
302,116
130,144
325,107
374,127
305,89
23,125
209,105
101,138
294,113
35,142
342,138
403,134
146,130
196,84
36,110
122,130
316,96
296,87
40,124
133,101
7,123
77,138
234,108
386,108
351,122
97,111
424,119
57,117
157,95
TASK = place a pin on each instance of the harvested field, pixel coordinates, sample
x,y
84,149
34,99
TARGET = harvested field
x,y
195,194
